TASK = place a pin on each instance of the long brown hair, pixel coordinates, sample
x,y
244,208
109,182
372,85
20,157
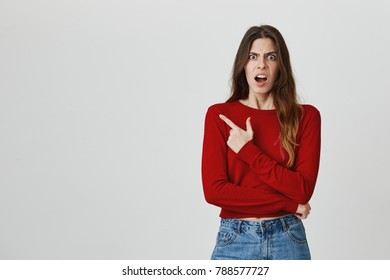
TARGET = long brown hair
x,y
284,90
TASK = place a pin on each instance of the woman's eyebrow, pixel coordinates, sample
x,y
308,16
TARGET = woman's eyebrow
x,y
267,53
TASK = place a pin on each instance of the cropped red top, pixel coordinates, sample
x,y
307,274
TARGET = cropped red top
x,y
255,182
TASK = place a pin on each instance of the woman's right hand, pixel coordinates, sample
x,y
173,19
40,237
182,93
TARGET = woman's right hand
x,y
303,211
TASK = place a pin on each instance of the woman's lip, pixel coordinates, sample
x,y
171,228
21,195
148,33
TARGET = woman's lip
x,y
261,78
261,83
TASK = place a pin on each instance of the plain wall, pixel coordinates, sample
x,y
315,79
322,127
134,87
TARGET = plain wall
x,y
102,106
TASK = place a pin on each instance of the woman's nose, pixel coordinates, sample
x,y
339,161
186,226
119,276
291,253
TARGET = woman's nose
x,y
261,64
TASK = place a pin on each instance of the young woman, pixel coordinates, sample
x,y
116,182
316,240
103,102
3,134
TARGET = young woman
x,y
261,155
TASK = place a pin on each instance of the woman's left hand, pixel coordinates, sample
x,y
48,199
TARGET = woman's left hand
x,y
238,137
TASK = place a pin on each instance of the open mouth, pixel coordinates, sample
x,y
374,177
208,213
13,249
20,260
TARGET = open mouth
x,y
261,78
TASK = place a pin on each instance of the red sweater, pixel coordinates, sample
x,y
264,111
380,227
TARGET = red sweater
x,y
255,182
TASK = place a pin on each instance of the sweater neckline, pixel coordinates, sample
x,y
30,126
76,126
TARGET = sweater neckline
x,y
260,111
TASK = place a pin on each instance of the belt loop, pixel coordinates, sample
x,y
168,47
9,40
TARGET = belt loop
x,y
238,229
283,223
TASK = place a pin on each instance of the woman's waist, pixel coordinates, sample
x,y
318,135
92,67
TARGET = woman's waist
x,y
259,219
229,214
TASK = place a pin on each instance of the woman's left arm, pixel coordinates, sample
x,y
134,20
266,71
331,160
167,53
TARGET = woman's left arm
x,y
297,183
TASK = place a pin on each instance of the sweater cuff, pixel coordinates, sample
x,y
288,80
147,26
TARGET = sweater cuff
x,y
248,152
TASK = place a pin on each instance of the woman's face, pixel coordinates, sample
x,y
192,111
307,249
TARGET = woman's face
x,y
262,68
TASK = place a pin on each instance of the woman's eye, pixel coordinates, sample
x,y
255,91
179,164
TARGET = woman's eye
x,y
272,57
252,56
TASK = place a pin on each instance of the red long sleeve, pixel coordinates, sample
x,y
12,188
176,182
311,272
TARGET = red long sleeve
x,y
297,184
254,182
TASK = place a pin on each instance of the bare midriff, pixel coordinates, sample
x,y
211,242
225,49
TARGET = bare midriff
x,y
253,219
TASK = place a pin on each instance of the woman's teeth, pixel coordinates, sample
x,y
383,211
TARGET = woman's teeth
x,y
260,78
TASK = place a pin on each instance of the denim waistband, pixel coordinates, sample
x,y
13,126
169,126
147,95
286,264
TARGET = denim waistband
x,y
281,223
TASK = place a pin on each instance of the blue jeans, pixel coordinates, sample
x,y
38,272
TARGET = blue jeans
x,y
281,238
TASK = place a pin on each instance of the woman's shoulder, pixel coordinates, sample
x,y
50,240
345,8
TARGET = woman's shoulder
x,y
222,108
310,111
311,116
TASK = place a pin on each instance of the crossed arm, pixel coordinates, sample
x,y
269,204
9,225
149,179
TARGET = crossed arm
x,y
238,138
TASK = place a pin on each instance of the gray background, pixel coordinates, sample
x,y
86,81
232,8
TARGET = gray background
x,y
102,106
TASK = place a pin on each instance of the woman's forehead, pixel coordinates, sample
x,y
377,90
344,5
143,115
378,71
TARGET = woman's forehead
x,y
263,45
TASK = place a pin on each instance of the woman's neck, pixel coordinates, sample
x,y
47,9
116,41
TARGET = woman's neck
x,y
260,102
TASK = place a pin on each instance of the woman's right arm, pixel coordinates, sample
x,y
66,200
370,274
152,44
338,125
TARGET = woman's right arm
x,y
216,186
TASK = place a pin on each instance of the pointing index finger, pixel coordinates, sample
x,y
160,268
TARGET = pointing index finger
x,y
228,122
